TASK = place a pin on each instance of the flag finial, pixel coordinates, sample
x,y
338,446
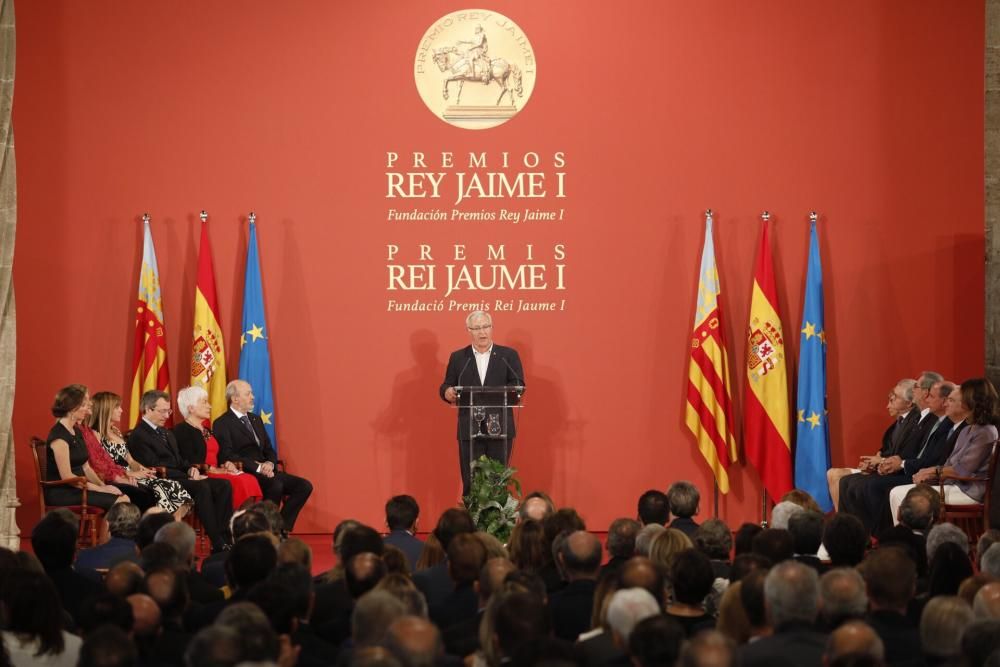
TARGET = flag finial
x,y
252,217
145,218
708,214
204,216
813,216
765,216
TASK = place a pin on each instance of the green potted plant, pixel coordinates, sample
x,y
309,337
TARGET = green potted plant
x,y
491,502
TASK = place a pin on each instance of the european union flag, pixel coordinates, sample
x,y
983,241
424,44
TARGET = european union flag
x,y
255,358
812,448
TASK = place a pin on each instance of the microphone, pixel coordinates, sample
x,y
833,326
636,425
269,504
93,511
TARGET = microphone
x,y
462,371
520,381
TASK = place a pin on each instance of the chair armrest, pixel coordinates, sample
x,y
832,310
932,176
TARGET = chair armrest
x,y
78,482
959,478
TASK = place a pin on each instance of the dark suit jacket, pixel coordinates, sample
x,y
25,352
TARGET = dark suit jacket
x,y
237,444
900,636
686,525
914,441
460,604
571,609
938,447
149,449
435,583
794,645
408,544
105,555
902,431
191,442
462,638
503,370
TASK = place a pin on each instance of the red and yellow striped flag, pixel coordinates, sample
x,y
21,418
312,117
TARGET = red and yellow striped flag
x,y
149,362
765,411
208,354
709,404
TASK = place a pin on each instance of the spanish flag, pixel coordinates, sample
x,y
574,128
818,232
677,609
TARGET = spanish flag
x,y
208,354
708,414
765,411
149,362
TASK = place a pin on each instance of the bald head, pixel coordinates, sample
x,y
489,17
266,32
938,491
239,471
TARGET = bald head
x,y
146,614
640,572
854,637
414,640
581,555
535,508
987,601
123,579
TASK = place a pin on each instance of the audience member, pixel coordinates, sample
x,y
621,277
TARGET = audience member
x,y
621,542
854,638
435,582
714,539
123,525
627,608
401,514
791,594
989,562
395,561
802,499
106,609
980,641
709,649
108,646
124,579
843,597
580,558
295,551
891,581
948,569
746,563
182,538
466,557
644,540
215,646
683,498
654,508
494,547
743,540
258,642
732,620
415,641
53,540
775,544
33,622
666,546
640,572
536,505
691,578
946,532
655,642
986,604
782,513
845,540
149,525
527,545
806,529
519,618
986,540
752,600
462,638
942,624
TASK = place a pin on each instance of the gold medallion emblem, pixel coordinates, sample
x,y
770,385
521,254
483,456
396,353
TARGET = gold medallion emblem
x,y
474,69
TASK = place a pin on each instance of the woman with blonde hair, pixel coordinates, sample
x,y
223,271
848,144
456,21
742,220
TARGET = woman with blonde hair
x,y
666,546
106,412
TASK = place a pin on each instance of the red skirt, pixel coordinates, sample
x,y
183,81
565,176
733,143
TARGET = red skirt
x,y
244,486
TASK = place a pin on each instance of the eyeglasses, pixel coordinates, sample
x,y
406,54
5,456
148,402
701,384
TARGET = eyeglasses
x,y
164,411
481,327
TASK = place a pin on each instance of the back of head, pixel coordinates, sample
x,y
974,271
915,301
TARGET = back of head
x,y
157,555
401,512
752,598
942,624
791,592
806,528
986,604
989,562
946,532
854,638
747,563
709,648
621,537
54,542
466,556
644,540
536,505
565,520
981,638
146,616
667,545
948,569
714,539
250,561
843,596
281,608
782,513
774,544
295,551
920,507
987,540
913,544
654,508
108,646
258,641
802,499
494,547
627,608
581,555
640,572
181,537
124,579
416,642
890,578
453,522
403,589
691,576
169,590
743,539
149,525
214,646
845,539
655,641
519,617
492,575
362,573
249,523
271,511
683,497
373,614
123,520
32,608
360,539
527,545
105,609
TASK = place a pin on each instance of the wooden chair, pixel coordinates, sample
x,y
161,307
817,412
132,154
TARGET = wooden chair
x,y
89,516
973,519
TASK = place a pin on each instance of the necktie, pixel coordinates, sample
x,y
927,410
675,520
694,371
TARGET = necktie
x,y
933,428
246,422
162,432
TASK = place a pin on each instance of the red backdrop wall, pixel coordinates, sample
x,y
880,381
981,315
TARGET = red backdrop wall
x,y
871,113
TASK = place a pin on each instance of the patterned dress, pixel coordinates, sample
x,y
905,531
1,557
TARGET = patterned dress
x,y
169,494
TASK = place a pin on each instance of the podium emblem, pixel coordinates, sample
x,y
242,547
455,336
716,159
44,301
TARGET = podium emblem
x,y
474,69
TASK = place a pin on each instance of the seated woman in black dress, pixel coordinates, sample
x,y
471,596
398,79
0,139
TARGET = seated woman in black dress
x,y
67,456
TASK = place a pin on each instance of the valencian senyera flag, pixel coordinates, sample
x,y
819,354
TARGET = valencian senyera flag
x,y
149,362
812,435
255,358
765,410
708,413
208,353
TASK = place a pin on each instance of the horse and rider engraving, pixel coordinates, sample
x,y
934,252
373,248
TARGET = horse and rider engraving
x,y
468,61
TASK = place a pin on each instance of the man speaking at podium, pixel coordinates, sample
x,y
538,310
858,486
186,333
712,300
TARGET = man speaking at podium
x,y
482,364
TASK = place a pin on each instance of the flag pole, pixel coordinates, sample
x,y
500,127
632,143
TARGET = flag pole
x,y
765,216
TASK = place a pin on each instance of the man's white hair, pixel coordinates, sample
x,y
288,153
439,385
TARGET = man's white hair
x,y
783,512
233,387
478,315
188,397
628,607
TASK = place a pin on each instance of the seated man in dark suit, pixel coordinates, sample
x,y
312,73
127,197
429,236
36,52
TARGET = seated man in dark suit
x,y
466,557
435,582
242,437
580,556
123,523
791,595
154,446
401,514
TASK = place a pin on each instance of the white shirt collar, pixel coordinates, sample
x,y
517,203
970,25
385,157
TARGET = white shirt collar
x,y
151,424
923,413
239,415
481,354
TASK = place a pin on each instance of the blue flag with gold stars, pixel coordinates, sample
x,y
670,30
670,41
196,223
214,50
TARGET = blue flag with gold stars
x,y
255,358
812,441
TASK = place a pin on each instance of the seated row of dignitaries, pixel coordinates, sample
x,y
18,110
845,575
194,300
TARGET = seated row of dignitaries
x,y
238,435
940,430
